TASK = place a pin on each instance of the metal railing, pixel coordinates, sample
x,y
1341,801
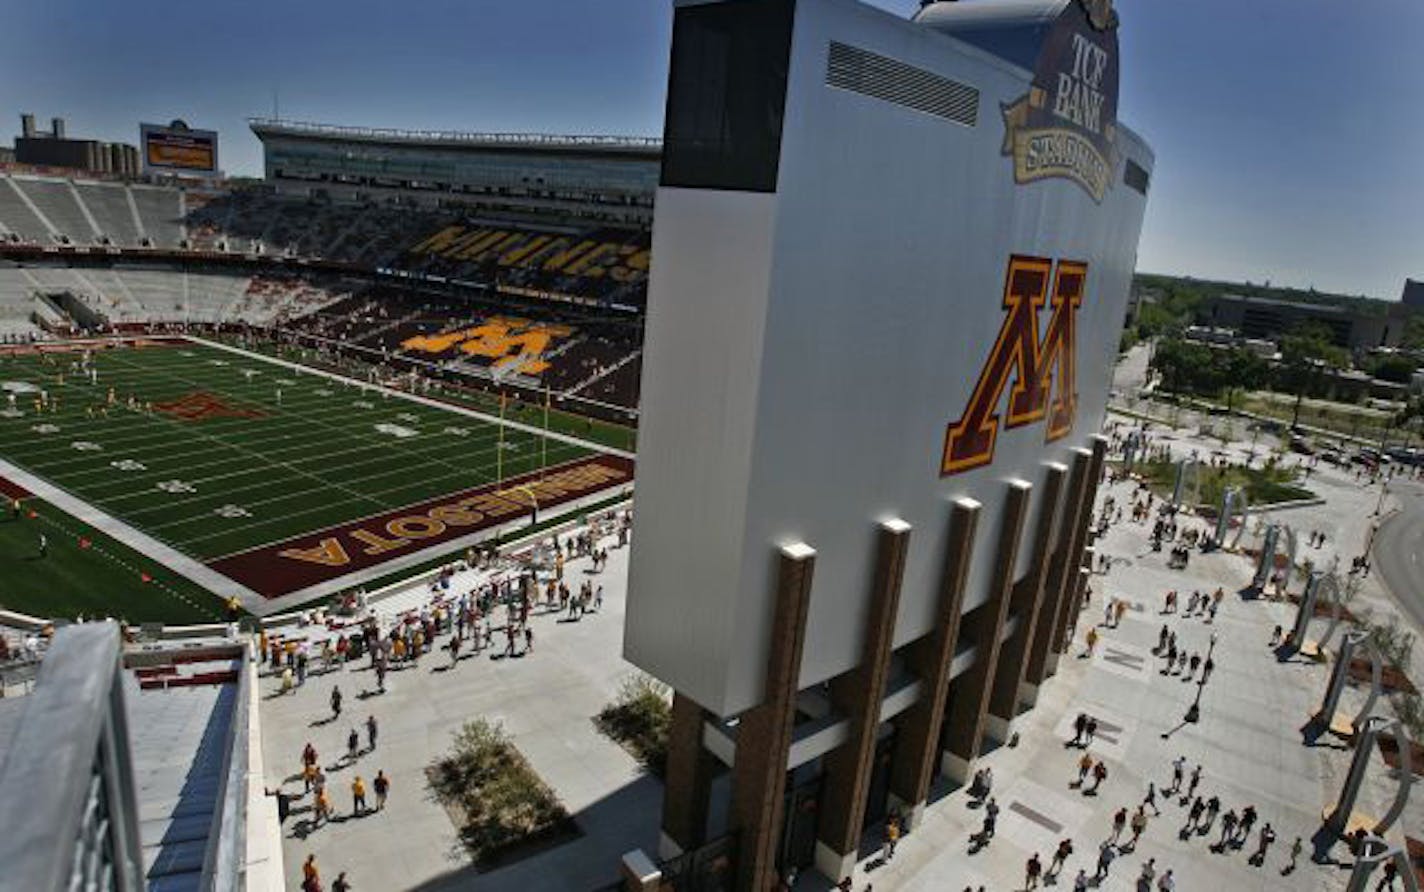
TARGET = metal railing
x,y
70,811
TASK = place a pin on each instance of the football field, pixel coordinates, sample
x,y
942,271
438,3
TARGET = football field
x,y
275,477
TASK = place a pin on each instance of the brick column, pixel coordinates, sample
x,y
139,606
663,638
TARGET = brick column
x,y
1077,574
1042,660
764,733
929,658
857,694
1074,557
688,782
969,693
1024,601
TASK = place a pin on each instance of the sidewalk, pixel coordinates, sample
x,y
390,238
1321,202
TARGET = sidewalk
x,y
545,700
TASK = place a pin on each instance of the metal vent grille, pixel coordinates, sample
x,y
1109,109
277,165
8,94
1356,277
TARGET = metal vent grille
x,y
1135,176
880,77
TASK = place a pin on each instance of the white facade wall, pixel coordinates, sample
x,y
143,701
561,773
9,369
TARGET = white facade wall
x,y
807,349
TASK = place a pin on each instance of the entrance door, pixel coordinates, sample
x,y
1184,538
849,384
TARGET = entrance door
x,y
798,835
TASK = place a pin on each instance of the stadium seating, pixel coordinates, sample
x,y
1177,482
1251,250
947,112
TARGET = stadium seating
x,y
17,216
108,204
57,202
161,212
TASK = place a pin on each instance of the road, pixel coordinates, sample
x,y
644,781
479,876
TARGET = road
x,y
1399,550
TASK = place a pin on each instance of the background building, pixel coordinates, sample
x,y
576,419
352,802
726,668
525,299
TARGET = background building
x,y
852,559
1269,318
53,148
605,178
1413,295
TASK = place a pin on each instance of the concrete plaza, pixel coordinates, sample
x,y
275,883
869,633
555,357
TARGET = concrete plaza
x,y
1248,742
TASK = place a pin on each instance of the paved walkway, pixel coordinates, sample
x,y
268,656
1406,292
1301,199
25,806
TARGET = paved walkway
x,y
545,700
1248,742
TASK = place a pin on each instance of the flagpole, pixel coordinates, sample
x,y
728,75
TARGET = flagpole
x,y
499,451
544,450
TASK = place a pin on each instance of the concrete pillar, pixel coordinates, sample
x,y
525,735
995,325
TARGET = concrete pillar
x,y
929,658
857,695
638,872
1267,561
1042,660
1338,676
764,732
1305,611
1338,819
688,781
1024,601
969,693
1072,601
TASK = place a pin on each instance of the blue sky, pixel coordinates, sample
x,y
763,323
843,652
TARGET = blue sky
x,y
1289,133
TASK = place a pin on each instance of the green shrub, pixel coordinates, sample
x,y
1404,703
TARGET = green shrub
x,y
500,799
639,719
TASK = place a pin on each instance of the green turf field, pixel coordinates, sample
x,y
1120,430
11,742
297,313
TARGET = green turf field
x,y
87,572
325,453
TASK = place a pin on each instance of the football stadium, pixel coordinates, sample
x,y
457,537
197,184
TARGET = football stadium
x,y
684,513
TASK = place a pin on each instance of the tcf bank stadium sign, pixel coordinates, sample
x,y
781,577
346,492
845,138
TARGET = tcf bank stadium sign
x,y
1065,126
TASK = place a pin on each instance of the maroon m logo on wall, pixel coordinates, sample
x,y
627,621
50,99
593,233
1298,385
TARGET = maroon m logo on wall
x,y
1034,363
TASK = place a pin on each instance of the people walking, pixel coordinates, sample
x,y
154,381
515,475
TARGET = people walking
x,y
1119,822
1060,856
1139,825
1295,850
1100,774
353,745
1179,765
336,702
1151,798
1263,842
383,787
371,730
1032,871
1105,859
892,836
358,796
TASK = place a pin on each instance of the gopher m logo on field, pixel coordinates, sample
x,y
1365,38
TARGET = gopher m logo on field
x,y
969,442
202,405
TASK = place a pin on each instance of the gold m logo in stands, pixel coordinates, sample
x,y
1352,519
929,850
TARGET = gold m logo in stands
x,y
969,442
502,340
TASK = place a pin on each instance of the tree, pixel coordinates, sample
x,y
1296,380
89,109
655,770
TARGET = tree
x,y
1184,366
1242,369
1305,355
1396,368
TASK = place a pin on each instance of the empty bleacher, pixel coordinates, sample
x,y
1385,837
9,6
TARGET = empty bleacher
x,y
161,211
109,204
17,217
57,202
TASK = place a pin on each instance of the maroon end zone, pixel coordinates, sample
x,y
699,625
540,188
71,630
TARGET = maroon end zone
x,y
284,567
9,489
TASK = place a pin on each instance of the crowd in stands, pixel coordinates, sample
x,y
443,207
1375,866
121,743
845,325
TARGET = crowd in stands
x,y
529,345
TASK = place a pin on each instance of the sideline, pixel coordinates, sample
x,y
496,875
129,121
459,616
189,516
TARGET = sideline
x,y
171,558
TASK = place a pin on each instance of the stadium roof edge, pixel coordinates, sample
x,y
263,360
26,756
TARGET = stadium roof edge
x,y
263,127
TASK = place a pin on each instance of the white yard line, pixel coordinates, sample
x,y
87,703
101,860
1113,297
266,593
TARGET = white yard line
x,y
415,398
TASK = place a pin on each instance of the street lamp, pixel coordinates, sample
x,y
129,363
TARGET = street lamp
x,y
1379,507
1194,711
